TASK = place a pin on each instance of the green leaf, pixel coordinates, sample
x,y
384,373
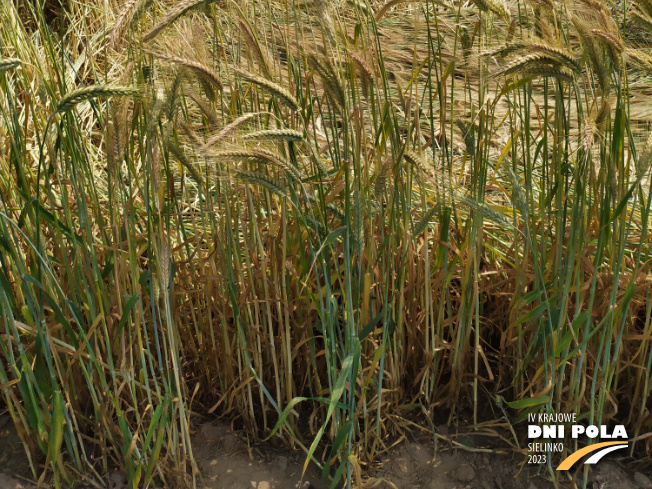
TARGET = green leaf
x,y
286,412
55,439
565,342
338,390
125,313
369,327
23,213
623,203
156,451
528,402
338,474
532,315
340,438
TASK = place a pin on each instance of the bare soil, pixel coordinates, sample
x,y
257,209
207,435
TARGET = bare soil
x,y
227,460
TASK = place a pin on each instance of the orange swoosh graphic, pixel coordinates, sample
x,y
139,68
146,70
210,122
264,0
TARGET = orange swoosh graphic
x,y
574,457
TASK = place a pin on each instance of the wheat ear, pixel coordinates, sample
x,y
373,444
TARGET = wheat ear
x,y
274,89
125,17
642,18
7,64
644,161
549,71
365,72
560,54
174,14
283,134
261,155
504,50
385,8
252,41
645,5
486,211
548,4
181,157
639,58
527,62
93,91
263,180
614,42
208,112
200,70
228,129
329,77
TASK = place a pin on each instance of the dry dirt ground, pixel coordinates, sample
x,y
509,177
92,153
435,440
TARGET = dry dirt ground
x,y
228,461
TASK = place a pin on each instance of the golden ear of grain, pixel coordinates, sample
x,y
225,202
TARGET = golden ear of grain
x,y
413,159
505,50
7,64
613,41
183,159
201,71
187,130
595,5
263,180
385,8
164,259
173,97
594,54
321,8
527,49
228,129
495,6
364,69
251,40
260,155
236,154
112,148
642,19
365,72
119,126
644,6
548,71
644,161
329,77
282,134
640,58
499,8
319,162
274,159
125,17
548,4
566,58
587,136
208,112
93,91
603,113
156,167
511,30
274,89
420,165
528,62
181,9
